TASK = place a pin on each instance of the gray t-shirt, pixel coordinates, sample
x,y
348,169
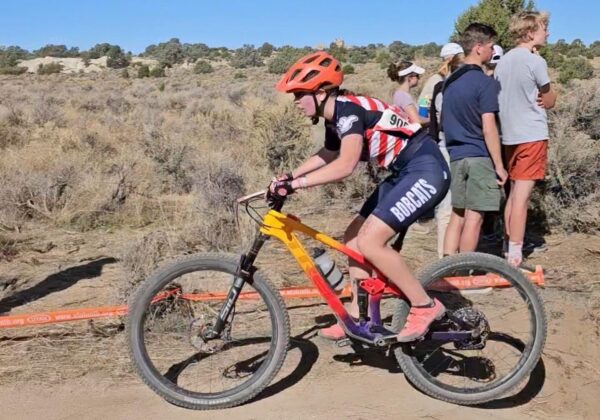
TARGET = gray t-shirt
x,y
521,74
403,99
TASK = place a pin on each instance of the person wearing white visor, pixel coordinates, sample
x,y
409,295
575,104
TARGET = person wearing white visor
x,y
407,75
450,50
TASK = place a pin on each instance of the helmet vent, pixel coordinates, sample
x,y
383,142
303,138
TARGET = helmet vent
x,y
311,59
311,74
325,63
293,76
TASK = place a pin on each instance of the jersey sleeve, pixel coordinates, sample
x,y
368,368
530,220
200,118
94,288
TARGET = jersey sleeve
x,y
332,141
350,119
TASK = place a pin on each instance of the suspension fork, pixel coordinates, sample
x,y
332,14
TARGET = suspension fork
x,y
243,274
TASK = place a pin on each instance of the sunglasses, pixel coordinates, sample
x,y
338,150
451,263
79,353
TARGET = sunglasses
x,y
300,95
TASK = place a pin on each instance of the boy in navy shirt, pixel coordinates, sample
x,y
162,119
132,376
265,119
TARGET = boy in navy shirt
x,y
469,123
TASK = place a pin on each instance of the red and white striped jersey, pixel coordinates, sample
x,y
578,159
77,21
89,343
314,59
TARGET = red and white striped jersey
x,y
384,127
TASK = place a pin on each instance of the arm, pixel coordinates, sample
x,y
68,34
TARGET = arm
x,y
316,161
492,141
337,169
547,97
413,114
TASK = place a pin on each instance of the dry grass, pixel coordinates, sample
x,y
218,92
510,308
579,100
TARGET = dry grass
x,y
98,151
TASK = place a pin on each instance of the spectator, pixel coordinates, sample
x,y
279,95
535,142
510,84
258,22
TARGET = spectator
x,y
525,96
407,75
488,228
469,121
444,209
447,53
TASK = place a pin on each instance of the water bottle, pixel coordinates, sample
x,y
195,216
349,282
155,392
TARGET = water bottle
x,y
328,268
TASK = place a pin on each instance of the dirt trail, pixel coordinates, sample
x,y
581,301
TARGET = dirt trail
x,y
82,371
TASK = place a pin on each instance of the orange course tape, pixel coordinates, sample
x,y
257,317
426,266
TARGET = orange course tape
x,y
444,285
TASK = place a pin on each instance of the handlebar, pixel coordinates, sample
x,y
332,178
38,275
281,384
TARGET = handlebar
x,y
275,202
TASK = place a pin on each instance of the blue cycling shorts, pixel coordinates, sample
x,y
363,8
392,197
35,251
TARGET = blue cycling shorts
x,y
412,190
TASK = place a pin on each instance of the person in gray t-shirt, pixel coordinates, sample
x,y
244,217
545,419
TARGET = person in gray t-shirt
x,y
525,95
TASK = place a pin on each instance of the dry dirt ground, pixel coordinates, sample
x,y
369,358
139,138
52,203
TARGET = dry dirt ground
x,y
81,370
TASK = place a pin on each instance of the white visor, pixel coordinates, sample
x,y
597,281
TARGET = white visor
x,y
412,69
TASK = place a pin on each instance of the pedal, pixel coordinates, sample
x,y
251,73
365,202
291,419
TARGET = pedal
x,y
344,342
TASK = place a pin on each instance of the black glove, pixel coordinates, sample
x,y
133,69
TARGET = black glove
x,y
284,177
280,189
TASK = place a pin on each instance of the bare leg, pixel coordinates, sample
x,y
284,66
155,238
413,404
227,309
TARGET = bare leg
x,y
453,231
371,240
356,270
470,232
519,201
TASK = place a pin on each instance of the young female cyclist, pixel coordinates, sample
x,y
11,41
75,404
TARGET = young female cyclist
x,y
362,128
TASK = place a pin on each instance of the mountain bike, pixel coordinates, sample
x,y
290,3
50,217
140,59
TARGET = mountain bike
x,y
210,331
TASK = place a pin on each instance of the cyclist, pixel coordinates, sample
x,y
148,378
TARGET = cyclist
x,y
362,128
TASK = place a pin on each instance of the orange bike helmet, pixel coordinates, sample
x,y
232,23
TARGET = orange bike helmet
x,y
310,73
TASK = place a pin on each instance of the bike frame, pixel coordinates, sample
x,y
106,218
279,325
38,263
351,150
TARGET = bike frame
x,y
368,329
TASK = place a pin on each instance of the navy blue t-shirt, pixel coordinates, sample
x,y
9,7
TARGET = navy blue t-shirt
x,y
465,101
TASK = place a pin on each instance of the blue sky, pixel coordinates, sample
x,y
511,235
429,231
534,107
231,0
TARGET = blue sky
x,y
135,24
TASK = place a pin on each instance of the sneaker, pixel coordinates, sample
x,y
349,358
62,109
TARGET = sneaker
x,y
534,246
419,320
333,333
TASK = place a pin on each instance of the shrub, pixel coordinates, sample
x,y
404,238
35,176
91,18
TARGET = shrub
x,y
203,67
239,75
50,68
286,56
125,74
575,68
143,71
13,70
284,136
157,71
348,69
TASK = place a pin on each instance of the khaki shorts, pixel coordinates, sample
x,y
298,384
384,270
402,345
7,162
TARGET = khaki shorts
x,y
527,161
474,185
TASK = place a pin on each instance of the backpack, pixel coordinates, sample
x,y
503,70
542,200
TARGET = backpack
x,y
434,127
440,87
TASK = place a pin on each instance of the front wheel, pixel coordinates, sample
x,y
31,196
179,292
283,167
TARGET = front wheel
x,y
171,311
508,333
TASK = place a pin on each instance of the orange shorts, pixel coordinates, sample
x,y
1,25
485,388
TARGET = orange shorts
x,y
527,161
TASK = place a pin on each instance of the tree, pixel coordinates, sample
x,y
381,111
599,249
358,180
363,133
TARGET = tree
x,y
116,57
247,56
10,55
430,50
400,51
286,56
337,50
195,51
52,50
495,13
266,50
167,53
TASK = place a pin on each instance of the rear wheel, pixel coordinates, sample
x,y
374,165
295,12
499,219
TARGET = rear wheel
x,y
510,326
168,315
